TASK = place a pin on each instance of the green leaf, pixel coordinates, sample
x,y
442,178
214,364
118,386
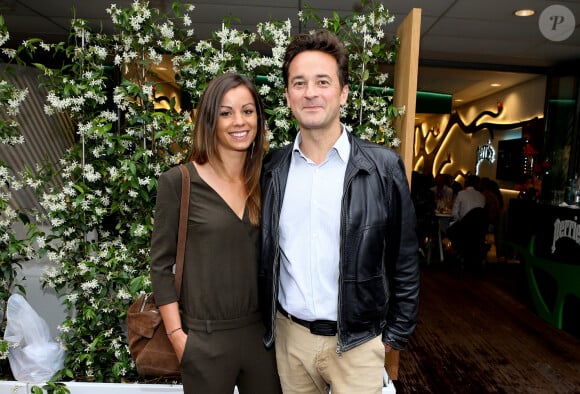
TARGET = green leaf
x,y
136,284
36,390
366,75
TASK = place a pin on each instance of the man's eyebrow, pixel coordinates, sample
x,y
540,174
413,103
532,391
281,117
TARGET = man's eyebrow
x,y
316,76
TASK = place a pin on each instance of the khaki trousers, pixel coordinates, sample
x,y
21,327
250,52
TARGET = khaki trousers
x,y
309,364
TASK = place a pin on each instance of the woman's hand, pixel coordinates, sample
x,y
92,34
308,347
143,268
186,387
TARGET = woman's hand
x,y
172,321
178,340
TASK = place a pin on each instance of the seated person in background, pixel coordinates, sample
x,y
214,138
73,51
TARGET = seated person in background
x,y
467,199
493,201
443,193
469,224
453,184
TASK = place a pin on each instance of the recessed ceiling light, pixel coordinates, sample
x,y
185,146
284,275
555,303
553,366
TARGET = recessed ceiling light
x,y
524,12
495,85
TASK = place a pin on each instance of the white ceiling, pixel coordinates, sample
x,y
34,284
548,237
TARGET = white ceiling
x,y
483,38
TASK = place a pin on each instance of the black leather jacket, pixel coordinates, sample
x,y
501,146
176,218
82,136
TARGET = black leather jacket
x,y
379,270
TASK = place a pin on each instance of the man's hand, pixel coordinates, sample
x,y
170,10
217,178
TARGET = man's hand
x,y
388,347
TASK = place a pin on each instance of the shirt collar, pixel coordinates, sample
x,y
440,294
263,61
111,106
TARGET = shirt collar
x,y
341,146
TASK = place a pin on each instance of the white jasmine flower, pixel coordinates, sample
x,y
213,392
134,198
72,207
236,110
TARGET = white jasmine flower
x,y
264,90
4,37
144,181
148,90
124,295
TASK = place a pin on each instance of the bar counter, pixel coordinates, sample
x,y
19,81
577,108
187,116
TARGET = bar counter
x,y
547,237
556,229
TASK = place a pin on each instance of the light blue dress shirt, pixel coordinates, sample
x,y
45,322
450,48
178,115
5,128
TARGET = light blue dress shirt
x,y
310,233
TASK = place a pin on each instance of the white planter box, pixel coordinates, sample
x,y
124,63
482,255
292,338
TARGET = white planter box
x,y
12,387
123,388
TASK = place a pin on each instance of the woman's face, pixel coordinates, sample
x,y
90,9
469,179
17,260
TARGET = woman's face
x,y
237,120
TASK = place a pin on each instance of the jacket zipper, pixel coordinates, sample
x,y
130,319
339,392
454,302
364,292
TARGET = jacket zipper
x,y
339,345
275,285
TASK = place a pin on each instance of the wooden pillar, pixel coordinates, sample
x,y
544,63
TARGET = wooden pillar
x,y
406,71
405,94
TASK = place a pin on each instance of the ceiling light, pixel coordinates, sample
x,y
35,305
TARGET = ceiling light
x,y
524,12
495,85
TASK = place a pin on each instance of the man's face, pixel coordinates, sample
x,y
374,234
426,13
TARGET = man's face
x,y
314,94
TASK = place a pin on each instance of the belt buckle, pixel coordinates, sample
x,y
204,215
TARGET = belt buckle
x,y
325,328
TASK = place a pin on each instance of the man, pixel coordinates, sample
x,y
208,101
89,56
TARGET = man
x,y
467,199
339,268
469,225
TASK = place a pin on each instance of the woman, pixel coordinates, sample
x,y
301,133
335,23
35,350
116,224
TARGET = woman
x,y
218,334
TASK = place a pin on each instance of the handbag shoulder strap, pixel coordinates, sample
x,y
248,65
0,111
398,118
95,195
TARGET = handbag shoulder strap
x,y
182,229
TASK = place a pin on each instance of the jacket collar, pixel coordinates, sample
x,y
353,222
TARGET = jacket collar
x,y
359,160
358,157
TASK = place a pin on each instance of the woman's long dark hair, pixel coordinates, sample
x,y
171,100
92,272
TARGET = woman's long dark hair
x,y
205,140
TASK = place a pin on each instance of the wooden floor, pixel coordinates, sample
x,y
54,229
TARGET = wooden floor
x,y
477,333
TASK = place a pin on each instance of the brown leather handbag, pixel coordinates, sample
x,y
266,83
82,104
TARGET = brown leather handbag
x,y
148,342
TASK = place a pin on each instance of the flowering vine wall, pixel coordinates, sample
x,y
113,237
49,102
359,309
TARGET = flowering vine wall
x,y
101,216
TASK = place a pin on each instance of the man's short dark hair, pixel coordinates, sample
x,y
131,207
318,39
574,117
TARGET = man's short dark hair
x,y
321,40
472,180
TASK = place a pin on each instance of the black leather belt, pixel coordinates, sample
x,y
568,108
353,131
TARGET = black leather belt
x,y
317,327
